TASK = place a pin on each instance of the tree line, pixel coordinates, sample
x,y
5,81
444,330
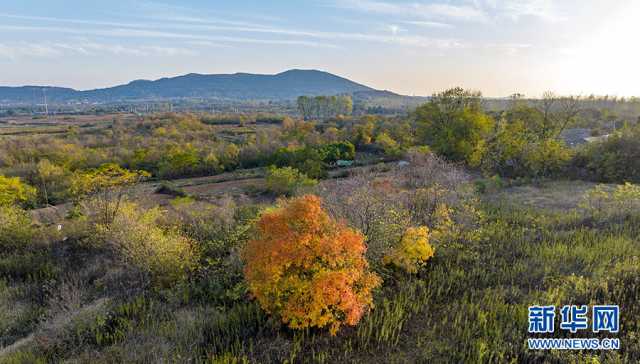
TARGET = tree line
x,y
324,107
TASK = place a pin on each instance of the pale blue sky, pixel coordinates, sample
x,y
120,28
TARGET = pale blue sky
x,y
411,47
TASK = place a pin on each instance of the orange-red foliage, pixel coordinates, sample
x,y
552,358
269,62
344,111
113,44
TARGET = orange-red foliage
x,y
307,268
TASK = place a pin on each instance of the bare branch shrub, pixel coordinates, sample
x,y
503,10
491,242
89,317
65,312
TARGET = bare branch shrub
x,y
383,204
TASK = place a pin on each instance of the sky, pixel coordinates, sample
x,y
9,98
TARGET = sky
x,y
416,47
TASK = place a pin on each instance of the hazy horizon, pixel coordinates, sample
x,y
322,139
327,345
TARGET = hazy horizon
x,y
410,47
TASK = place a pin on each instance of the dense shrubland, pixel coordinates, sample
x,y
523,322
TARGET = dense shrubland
x,y
519,142
167,147
405,257
616,159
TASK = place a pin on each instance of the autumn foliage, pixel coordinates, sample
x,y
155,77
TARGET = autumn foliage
x,y
412,251
163,255
14,191
308,269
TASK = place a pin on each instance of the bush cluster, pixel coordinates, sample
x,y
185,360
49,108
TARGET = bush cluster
x,y
166,256
616,159
412,251
286,181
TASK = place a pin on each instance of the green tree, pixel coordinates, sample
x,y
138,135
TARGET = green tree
x,y
454,125
179,161
286,181
323,107
332,152
616,159
229,156
362,134
531,119
390,146
525,144
504,154
546,157
345,105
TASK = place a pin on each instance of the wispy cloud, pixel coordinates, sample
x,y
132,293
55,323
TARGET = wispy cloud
x,y
200,24
516,9
147,33
19,50
158,34
15,51
419,41
202,32
179,13
70,21
185,26
461,10
428,24
207,44
417,10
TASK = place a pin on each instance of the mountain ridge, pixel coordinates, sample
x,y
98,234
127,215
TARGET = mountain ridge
x,y
286,85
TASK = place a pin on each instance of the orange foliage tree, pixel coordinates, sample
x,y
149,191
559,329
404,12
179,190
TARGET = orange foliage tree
x,y
308,269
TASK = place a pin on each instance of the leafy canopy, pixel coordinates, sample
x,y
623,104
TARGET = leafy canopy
x,y
286,181
412,251
105,177
454,125
308,269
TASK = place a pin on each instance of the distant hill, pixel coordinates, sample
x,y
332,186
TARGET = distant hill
x,y
239,86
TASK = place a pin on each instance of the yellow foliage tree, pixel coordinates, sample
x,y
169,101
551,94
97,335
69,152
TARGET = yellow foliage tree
x,y
164,255
14,191
308,269
412,251
106,185
16,228
388,144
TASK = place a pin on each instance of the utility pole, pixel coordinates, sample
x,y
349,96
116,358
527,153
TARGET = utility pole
x,y
46,106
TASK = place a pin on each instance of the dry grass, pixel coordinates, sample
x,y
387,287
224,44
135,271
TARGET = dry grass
x,y
553,195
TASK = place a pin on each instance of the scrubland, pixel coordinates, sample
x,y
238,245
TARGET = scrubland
x,y
191,238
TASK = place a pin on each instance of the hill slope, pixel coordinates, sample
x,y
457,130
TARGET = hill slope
x,y
239,86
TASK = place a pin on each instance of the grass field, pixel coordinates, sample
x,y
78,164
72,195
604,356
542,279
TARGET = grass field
x,y
57,125
469,304
552,195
